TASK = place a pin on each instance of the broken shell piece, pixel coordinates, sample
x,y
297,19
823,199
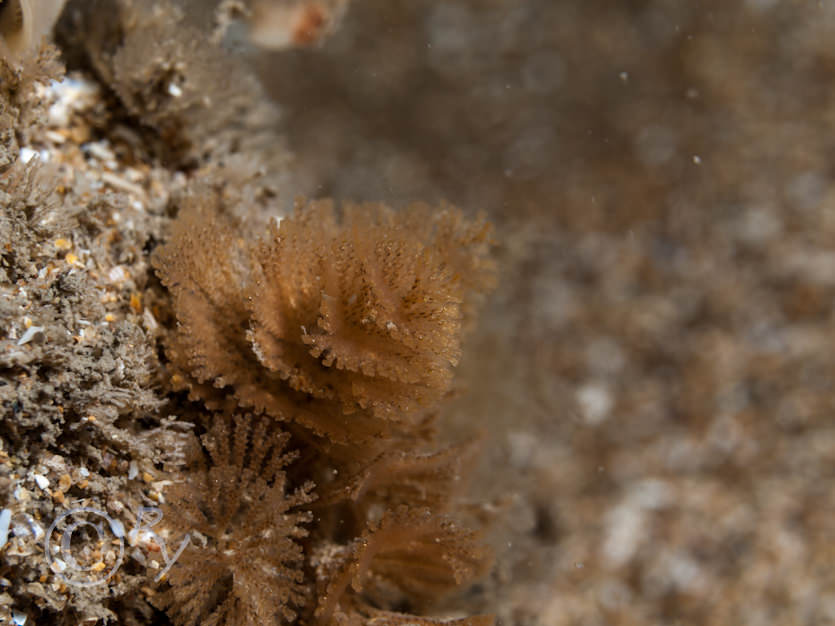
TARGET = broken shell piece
x,y
117,527
36,529
29,334
27,527
57,565
16,24
70,95
117,274
139,556
5,520
23,23
278,24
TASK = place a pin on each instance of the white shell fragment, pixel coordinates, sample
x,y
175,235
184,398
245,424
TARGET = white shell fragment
x,y
35,528
29,334
5,520
58,565
43,481
27,154
139,556
21,494
117,274
117,527
69,95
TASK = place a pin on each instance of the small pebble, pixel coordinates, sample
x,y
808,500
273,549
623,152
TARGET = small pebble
x,y
65,482
57,565
117,274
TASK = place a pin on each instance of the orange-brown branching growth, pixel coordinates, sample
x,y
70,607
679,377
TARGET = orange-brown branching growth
x,y
346,327
244,564
412,555
343,328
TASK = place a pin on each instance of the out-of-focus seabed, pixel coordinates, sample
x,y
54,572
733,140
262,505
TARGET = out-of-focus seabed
x,y
655,371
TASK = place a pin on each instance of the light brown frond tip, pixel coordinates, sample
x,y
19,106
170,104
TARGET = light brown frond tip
x,y
343,324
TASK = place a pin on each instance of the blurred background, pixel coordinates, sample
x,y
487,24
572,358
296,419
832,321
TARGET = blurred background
x,y
654,372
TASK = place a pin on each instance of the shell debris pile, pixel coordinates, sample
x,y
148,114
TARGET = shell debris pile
x,y
76,328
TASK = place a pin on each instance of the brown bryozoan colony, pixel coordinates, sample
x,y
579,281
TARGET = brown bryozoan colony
x,y
249,570
334,338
